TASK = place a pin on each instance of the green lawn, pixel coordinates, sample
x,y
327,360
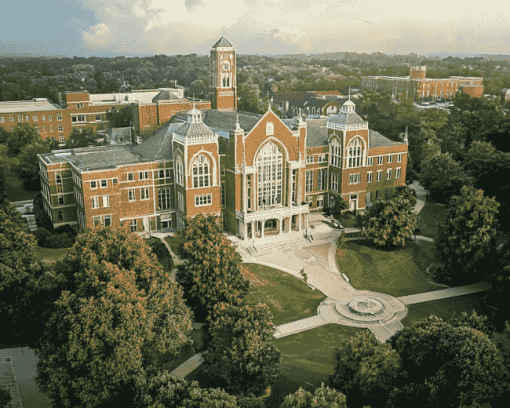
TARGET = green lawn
x,y
288,297
397,272
16,191
430,216
445,308
51,254
307,361
174,243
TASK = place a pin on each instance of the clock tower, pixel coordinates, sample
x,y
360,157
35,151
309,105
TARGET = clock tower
x,y
223,76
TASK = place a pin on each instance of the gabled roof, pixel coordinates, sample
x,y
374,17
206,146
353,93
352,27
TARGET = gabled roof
x,y
222,42
316,132
378,140
349,119
158,146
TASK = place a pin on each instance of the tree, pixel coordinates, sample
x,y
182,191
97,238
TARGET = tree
x,y
474,321
466,237
19,272
28,162
242,351
390,224
119,118
167,390
117,308
81,138
323,397
365,370
5,397
6,164
22,135
407,193
443,177
211,273
339,206
448,366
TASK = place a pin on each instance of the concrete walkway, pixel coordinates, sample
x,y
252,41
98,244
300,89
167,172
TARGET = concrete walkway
x,y
188,366
445,293
421,195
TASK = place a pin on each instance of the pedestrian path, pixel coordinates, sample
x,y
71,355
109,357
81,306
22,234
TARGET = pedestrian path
x,y
421,195
299,326
188,366
444,293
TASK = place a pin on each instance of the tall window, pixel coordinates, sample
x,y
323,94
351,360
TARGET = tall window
x,y
355,153
309,181
134,226
334,181
164,198
144,193
335,152
201,172
321,179
269,170
178,171
95,202
369,176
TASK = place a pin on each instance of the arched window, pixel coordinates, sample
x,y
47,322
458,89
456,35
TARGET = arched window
x,y
269,172
201,172
335,152
178,171
355,153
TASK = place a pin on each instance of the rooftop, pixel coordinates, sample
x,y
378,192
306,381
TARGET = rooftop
x,y
222,42
35,105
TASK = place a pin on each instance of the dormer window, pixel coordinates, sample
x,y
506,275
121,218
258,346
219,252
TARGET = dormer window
x,y
269,129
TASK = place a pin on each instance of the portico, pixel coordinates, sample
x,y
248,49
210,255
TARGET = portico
x,y
273,221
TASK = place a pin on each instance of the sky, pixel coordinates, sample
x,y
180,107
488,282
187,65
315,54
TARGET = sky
x,y
150,27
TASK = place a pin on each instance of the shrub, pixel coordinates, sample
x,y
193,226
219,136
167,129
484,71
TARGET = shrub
x,y
5,397
41,235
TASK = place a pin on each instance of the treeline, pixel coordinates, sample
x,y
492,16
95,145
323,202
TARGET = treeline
x,y
45,77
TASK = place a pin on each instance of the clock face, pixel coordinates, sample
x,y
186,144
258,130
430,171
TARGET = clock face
x,y
225,65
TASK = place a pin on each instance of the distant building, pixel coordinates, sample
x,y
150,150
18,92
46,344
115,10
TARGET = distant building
x,y
308,103
418,87
49,119
261,174
506,94
151,109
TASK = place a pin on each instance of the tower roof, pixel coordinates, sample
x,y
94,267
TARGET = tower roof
x,y
222,42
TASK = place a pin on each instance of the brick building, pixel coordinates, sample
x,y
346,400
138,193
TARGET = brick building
x,y
151,108
418,86
262,174
49,119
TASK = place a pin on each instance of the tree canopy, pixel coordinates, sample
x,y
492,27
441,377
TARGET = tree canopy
x,y
447,366
241,348
211,273
390,224
466,237
117,306
323,397
365,370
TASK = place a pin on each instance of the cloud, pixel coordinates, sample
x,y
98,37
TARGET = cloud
x,y
97,36
287,33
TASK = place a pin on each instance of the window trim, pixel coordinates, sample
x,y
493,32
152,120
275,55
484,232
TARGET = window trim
x,y
95,184
203,200
133,192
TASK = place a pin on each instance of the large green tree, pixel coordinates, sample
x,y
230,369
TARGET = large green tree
x,y
466,237
117,309
242,350
443,177
211,273
22,135
119,118
391,224
323,397
447,366
81,138
365,370
167,390
22,280
27,167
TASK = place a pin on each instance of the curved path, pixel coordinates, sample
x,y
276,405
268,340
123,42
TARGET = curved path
x,y
318,259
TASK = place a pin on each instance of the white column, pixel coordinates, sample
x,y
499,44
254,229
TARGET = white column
x,y
262,229
245,231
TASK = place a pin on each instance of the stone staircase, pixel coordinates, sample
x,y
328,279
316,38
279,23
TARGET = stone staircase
x,y
280,246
